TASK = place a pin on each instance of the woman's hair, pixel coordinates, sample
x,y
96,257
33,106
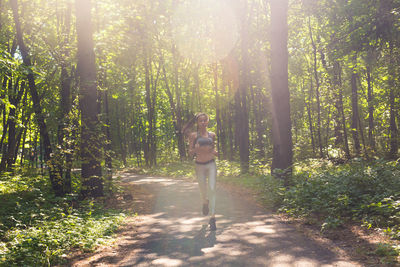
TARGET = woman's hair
x,y
191,122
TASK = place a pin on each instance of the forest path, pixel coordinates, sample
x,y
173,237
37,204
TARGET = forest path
x,y
171,231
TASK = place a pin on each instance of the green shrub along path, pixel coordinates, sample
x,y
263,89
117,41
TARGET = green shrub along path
x,y
173,232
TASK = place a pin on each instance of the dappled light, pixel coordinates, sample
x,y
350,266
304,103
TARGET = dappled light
x,y
176,234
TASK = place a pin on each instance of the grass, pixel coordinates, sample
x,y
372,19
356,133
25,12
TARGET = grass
x,y
38,229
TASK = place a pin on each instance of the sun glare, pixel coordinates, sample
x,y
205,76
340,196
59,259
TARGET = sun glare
x,y
204,31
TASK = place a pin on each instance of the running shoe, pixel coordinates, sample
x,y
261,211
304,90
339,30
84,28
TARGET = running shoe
x,y
213,227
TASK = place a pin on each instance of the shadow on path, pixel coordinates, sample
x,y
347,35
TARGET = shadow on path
x,y
175,234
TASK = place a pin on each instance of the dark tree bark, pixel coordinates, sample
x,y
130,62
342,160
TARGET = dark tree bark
x,y
197,88
64,123
337,81
15,92
370,111
394,147
119,126
317,93
343,121
259,125
92,184
153,139
22,131
179,121
3,111
307,103
64,26
217,106
281,132
151,96
55,170
175,108
150,112
355,116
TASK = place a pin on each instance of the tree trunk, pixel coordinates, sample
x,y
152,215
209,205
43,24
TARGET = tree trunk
x,y
281,130
392,109
151,95
55,170
92,184
65,122
317,93
3,112
108,158
309,115
370,111
15,92
242,112
217,106
340,108
175,111
392,127
259,125
64,136
179,122
153,139
355,117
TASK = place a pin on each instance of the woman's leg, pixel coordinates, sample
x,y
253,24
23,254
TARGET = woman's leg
x,y
212,180
201,173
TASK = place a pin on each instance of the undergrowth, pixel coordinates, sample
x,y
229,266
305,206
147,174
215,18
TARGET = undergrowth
x,y
366,193
358,191
38,229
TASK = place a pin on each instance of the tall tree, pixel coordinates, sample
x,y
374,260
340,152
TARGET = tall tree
x,y
64,136
55,171
317,89
242,117
281,131
394,147
355,119
370,109
92,184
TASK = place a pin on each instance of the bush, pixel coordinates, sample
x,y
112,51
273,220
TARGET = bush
x,y
37,229
358,190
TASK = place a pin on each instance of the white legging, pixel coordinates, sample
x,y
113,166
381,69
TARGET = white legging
x,y
202,172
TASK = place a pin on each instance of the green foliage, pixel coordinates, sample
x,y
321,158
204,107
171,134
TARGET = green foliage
x,y
384,214
228,168
171,169
388,254
358,190
37,229
386,250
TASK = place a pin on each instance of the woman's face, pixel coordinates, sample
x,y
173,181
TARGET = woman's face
x,y
202,121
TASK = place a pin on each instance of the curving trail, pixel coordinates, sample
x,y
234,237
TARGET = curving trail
x,y
173,232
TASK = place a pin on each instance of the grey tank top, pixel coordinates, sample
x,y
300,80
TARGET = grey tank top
x,y
203,141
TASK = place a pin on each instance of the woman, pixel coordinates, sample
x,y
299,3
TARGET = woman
x,y
202,148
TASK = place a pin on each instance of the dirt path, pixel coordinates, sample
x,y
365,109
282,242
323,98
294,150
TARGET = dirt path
x,y
172,232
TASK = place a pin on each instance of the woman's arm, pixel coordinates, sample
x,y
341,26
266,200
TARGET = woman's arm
x,y
214,151
192,137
